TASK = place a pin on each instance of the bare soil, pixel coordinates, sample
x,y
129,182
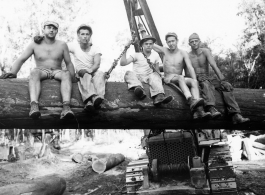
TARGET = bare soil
x,y
82,180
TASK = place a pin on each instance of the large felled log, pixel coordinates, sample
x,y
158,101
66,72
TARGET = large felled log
x,y
120,110
47,185
113,160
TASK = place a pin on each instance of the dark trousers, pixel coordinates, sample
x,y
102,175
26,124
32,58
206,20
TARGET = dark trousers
x,y
208,88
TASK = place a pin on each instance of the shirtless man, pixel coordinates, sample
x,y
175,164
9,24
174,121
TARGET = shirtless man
x,y
48,54
87,58
200,59
174,62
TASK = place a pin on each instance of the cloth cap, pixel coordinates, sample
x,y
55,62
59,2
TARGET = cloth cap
x,y
146,38
171,34
194,36
85,26
55,24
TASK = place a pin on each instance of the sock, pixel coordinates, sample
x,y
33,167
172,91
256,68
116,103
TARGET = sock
x,y
66,103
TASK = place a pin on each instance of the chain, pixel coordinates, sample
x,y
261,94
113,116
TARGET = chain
x,y
151,64
114,64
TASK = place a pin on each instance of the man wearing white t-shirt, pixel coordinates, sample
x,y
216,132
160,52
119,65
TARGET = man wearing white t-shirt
x,y
87,62
145,69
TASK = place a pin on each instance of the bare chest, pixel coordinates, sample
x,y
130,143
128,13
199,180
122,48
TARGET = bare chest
x,y
48,53
198,61
174,60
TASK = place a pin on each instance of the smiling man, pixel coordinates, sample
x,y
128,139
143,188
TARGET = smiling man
x,y
48,54
142,72
201,58
87,58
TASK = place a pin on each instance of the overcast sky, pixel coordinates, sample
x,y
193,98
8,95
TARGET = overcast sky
x,y
209,18
214,19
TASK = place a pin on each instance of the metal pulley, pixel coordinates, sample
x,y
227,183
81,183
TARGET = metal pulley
x,y
158,169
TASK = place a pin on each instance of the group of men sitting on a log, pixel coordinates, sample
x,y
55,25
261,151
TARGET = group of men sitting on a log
x,y
49,54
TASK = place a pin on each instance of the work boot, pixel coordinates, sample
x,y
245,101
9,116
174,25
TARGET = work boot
x,y
97,101
34,110
89,107
238,118
200,114
139,92
195,103
161,98
214,112
67,113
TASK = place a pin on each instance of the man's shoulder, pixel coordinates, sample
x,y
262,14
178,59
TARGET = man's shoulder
x,y
154,53
135,54
62,43
205,50
95,48
183,52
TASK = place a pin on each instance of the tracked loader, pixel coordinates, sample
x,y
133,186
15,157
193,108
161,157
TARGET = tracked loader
x,y
182,162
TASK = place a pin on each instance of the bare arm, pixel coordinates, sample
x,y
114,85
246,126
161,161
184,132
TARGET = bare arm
x,y
189,65
68,62
159,49
97,60
70,47
124,60
24,56
213,64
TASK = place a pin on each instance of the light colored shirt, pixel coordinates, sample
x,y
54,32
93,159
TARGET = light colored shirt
x,y
140,65
83,60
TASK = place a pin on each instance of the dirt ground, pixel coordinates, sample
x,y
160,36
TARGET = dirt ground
x,y
82,180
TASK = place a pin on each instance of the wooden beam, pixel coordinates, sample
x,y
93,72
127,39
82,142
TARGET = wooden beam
x,y
150,21
120,109
138,12
132,22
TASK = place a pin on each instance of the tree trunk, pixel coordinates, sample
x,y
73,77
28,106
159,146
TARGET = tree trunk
x,y
47,185
66,134
82,134
120,110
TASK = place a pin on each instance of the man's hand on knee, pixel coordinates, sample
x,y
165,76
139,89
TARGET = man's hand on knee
x,y
81,73
226,86
8,76
106,75
75,79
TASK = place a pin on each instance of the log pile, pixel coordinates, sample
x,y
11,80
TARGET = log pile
x,y
120,109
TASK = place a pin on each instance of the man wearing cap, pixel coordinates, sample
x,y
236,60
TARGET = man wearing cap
x,y
48,54
200,59
145,69
175,60
87,59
